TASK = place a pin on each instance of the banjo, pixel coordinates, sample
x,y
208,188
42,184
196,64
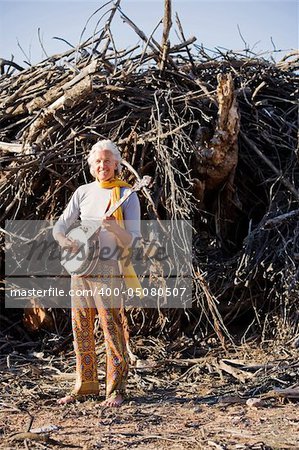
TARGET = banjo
x,y
85,259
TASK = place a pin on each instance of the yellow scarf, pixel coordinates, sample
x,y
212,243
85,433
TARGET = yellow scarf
x,y
128,271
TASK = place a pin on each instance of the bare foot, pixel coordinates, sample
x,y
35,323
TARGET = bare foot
x,y
113,401
65,400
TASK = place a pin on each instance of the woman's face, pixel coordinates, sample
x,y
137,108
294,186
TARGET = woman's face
x,y
105,165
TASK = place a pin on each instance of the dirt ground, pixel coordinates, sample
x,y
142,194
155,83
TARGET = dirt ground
x,y
177,402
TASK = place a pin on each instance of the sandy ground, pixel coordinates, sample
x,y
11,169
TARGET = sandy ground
x,y
197,406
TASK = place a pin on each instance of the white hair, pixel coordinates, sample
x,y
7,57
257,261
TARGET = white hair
x,y
105,144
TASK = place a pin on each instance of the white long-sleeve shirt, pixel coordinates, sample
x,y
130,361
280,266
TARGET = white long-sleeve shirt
x,y
89,203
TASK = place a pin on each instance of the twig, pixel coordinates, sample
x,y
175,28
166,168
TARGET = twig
x,y
185,43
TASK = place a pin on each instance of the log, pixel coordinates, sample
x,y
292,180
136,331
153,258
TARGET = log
x,y
35,318
11,147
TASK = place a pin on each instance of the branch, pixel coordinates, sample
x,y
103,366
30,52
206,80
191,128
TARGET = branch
x,y
5,62
276,220
165,38
185,43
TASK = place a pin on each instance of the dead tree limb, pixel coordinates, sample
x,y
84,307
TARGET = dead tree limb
x,y
167,23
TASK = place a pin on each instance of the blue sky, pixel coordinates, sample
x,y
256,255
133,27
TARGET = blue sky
x,y
214,23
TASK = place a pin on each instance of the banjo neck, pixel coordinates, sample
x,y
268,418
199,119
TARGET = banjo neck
x,y
116,205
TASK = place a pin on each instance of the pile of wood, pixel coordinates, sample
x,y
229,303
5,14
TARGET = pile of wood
x,y
217,132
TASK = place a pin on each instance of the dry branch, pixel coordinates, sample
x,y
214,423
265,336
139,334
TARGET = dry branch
x,y
176,115
167,23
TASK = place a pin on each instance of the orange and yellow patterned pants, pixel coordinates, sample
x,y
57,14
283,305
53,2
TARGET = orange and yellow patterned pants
x,y
86,303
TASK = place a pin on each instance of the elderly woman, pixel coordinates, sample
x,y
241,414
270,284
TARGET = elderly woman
x,y
90,202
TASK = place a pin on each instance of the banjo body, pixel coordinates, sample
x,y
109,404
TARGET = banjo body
x,y
84,261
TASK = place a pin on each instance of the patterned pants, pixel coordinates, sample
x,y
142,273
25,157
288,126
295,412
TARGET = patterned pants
x,y
87,301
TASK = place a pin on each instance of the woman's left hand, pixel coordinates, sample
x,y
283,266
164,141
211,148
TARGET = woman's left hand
x,y
123,236
111,225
